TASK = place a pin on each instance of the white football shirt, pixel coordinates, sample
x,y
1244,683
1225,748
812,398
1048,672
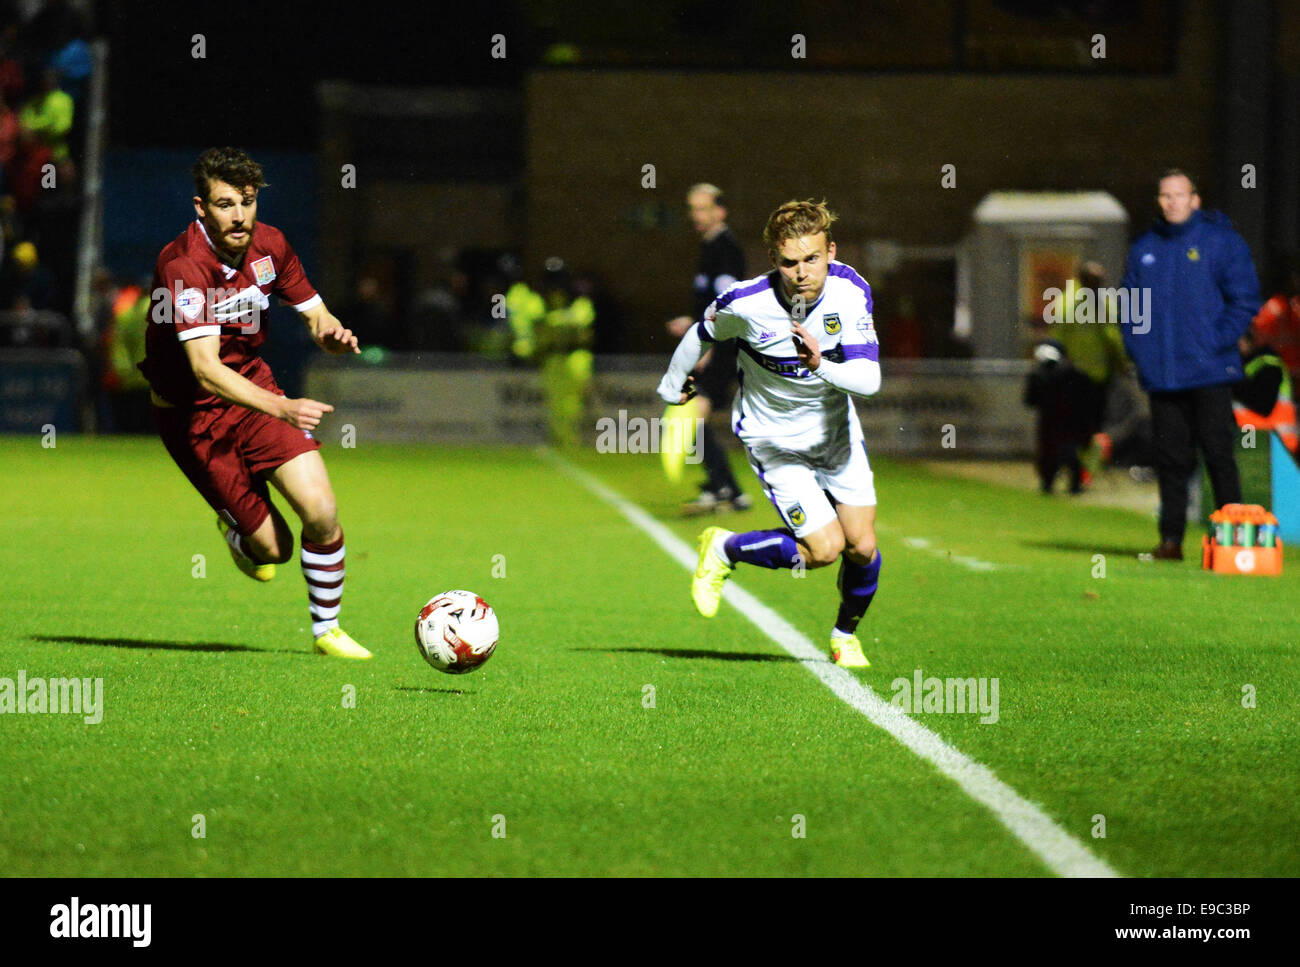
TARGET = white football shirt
x,y
779,401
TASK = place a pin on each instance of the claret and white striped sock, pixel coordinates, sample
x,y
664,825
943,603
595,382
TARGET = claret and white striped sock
x,y
322,568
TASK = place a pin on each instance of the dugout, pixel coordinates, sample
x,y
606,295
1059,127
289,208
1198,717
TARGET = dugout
x,y
1022,244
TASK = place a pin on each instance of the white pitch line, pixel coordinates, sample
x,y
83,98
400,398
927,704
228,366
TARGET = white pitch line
x,y
923,544
1059,851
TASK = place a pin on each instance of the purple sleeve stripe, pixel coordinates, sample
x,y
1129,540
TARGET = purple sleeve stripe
x,y
870,351
704,333
739,292
840,270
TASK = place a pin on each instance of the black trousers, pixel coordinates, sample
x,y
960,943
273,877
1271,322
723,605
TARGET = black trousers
x,y
1181,422
717,382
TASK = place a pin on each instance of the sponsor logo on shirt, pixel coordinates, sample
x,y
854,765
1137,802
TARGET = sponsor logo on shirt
x,y
832,323
264,270
190,303
215,306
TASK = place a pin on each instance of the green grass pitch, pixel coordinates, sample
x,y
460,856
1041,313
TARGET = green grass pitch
x,y
1121,695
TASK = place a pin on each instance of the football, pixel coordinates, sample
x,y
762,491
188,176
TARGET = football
x,y
456,631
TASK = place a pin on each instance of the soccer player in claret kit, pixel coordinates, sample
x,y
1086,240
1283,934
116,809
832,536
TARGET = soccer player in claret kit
x,y
807,344
221,416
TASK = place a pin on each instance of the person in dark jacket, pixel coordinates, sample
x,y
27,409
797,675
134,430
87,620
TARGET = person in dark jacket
x,y
1064,398
1194,274
721,264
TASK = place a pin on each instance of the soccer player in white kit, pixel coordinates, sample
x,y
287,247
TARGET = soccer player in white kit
x,y
807,345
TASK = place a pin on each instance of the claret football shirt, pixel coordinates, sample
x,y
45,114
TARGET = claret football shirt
x,y
196,294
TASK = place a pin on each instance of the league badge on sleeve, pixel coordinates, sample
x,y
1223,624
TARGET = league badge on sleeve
x,y
264,270
190,303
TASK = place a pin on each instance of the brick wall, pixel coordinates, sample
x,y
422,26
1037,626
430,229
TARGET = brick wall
x,y
873,144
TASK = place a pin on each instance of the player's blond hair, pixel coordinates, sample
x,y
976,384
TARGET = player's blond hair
x,y
795,219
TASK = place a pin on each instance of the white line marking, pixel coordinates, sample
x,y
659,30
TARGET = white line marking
x,y
1059,851
974,563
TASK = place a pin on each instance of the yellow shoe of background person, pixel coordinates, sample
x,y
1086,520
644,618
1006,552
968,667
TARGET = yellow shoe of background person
x,y
847,652
711,574
338,643
258,572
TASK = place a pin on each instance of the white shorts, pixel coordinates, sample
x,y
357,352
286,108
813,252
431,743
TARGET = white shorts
x,y
797,483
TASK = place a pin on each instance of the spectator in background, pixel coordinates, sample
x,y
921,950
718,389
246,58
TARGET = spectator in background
x,y
23,180
1278,322
122,347
1061,394
525,311
74,63
47,117
1203,295
1263,398
1096,351
564,341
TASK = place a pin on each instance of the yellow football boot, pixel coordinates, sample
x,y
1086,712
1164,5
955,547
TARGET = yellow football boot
x,y
711,574
258,572
846,651
339,643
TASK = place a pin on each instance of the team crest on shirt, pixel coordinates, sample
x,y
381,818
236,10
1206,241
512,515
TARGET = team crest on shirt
x,y
832,323
1193,254
796,515
264,270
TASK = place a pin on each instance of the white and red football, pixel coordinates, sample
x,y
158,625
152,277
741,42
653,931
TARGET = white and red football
x,y
456,631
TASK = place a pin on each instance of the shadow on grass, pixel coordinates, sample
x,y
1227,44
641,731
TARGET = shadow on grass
x,y
164,645
699,653
1082,547
426,688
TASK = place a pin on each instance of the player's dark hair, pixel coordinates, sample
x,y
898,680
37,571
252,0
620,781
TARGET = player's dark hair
x,y
795,219
1178,173
230,165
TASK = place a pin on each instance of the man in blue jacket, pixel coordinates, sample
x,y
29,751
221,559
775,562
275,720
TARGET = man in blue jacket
x,y
1202,290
